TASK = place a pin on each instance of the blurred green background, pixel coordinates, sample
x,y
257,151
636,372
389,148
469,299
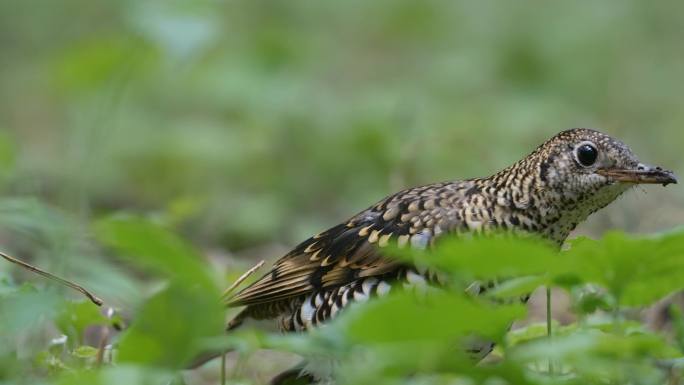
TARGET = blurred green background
x,y
247,126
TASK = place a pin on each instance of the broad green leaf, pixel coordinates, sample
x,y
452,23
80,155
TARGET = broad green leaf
x,y
636,271
516,287
530,332
435,317
598,357
420,363
150,246
25,309
75,317
171,327
486,256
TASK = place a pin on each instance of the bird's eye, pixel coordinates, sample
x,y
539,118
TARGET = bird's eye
x,y
586,154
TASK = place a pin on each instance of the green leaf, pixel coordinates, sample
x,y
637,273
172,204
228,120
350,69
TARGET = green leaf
x,y
596,356
120,374
636,271
172,326
516,287
437,316
26,309
169,328
587,300
530,332
483,257
150,246
85,351
75,317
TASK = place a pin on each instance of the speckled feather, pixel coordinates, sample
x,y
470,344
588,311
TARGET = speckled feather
x,y
547,193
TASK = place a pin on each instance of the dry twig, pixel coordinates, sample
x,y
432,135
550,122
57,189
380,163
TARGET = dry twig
x,y
94,299
242,278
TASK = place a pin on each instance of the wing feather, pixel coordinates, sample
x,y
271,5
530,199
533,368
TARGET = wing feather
x,y
352,249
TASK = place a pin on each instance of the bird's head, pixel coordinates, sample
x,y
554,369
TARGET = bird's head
x,y
582,160
585,170
572,175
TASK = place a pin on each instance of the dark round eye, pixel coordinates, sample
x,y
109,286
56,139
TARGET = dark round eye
x,y
587,154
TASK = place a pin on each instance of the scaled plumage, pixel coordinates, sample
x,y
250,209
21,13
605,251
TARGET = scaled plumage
x,y
548,193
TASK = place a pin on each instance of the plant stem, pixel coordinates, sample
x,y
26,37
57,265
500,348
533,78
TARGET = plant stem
x,y
223,368
617,325
549,330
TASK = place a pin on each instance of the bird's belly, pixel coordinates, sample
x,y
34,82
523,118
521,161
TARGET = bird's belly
x,y
318,307
312,310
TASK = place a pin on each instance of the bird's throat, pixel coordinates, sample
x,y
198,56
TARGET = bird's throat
x,y
562,213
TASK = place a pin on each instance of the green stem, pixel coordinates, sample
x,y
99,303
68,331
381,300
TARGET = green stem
x,y
223,368
617,325
549,330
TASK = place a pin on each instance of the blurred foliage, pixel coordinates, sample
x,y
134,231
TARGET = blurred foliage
x,y
413,337
137,138
247,122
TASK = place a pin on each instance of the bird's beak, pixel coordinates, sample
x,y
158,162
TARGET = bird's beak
x,y
643,174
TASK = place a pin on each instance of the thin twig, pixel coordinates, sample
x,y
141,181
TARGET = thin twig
x,y
97,301
242,278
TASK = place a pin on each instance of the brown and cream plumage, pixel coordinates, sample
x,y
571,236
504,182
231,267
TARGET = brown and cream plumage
x,y
548,192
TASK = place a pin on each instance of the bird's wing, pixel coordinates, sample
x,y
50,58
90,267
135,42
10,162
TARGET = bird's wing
x,y
351,250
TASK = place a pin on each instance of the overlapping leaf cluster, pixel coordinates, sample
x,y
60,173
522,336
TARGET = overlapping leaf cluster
x,y
419,337
414,336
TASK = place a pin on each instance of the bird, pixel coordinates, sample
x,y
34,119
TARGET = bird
x,y
547,193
